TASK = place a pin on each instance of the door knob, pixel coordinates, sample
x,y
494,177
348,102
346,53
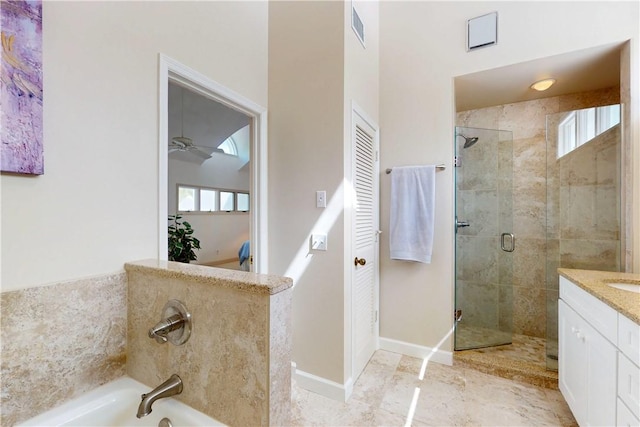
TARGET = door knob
x,y
360,261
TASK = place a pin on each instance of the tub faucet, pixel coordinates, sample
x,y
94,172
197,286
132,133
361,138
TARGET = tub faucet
x,y
170,387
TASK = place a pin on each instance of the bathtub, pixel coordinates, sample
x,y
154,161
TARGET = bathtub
x,y
116,404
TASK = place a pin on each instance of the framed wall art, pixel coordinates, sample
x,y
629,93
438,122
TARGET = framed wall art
x,y
21,133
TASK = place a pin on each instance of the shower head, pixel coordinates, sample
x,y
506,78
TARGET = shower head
x,y
468,140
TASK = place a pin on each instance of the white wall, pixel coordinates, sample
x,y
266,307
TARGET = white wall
x,y
422,49
306,87
96,206
316,68
220,234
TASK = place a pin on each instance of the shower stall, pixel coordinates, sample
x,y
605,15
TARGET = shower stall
x,y
524,209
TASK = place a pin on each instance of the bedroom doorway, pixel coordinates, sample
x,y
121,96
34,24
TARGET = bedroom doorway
x,y
212,170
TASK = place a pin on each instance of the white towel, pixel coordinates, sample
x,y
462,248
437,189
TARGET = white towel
x,y
412,212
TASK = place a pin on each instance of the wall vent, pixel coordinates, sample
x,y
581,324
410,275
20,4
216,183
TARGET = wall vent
x,y
482,31
357,25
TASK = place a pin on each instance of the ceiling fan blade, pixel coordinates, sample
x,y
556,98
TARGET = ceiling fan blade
x,y
173,150
199,153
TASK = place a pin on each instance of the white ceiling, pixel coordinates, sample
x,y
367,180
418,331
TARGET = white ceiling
x,y
579,71
207,122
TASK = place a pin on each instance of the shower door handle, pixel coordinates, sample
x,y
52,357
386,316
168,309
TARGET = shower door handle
x,y
512,240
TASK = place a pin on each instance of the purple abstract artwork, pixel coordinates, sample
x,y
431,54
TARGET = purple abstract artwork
x,y
21,87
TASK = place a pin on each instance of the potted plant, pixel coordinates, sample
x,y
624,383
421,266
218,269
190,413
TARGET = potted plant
x,y
181,240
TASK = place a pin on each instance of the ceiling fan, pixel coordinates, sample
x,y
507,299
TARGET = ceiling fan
x,y
182,143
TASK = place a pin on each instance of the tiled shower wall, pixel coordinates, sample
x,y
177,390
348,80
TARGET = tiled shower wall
x,y
527,121
60,341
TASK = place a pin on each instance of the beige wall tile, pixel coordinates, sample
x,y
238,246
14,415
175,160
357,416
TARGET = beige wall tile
x,y
578,101
590,254
527,119
236,366
60,341
529,311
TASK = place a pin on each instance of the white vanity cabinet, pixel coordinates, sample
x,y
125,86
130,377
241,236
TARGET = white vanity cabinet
x,y
598,353
587,375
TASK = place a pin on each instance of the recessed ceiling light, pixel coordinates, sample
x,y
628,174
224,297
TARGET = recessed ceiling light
x,y
543,84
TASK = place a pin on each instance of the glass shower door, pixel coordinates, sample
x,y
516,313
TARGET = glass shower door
x,y
484,240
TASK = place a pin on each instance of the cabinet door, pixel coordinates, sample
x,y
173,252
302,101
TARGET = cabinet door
x,y
572,362
586,370
625,417
629,383
601,377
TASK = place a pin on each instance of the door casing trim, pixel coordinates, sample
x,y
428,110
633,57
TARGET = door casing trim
x,y
171,70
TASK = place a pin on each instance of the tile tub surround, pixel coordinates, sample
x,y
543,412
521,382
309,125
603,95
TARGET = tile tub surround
x,y
59,342
595,282
236,366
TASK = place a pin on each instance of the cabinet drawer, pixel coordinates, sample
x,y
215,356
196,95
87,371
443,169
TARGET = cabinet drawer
x,y
624,417
629,384
629,338
602,317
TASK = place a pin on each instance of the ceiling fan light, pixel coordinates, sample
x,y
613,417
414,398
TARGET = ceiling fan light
x,y
542,85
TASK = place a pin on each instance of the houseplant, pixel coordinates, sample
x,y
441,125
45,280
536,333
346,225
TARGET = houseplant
x,y
181,240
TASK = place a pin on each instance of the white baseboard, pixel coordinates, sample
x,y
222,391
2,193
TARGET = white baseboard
x,y
322,386
341,392
414,350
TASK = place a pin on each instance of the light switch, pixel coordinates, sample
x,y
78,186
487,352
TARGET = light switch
x,y
321,199
319,242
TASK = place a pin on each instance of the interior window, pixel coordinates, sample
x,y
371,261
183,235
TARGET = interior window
x,y
186,199
229,146
227,201
208,200
243,202
192,198
582,126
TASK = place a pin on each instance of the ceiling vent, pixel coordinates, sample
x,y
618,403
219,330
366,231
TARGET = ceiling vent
x,y
357,25
482,31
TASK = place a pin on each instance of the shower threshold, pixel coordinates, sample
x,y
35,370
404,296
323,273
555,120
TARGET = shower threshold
x,y
523,360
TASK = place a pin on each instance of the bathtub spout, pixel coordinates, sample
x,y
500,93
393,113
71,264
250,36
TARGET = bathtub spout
x,y
170,387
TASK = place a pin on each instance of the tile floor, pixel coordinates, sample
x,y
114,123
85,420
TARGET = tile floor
x,y
444,396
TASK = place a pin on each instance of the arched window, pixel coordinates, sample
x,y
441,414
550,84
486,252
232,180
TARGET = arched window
x,y
229,146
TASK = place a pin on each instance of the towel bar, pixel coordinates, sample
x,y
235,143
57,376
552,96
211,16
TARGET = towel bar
x,y
438,169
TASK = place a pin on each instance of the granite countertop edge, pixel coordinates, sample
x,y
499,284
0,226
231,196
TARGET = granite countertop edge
x,y
595,283
241,280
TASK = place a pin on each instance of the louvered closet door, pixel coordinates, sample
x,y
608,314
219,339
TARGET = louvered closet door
x,y
365,244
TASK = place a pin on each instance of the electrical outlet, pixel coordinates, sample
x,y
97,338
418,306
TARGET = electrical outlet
x,y
319,242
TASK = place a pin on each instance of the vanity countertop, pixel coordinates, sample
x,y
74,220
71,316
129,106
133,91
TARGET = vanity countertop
x,y
242,280
595,282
